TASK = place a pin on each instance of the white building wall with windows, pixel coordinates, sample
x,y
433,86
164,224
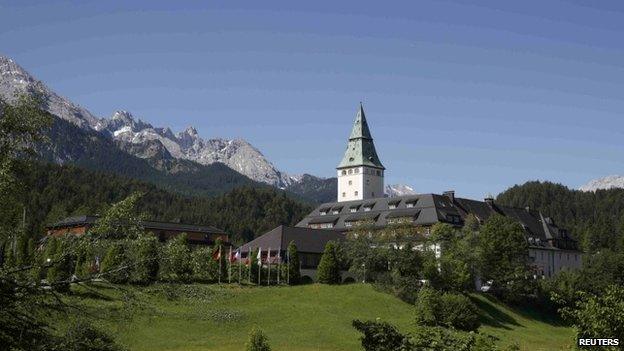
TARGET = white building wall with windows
x,y
360,183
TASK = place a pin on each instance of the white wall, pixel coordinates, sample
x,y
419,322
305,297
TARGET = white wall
x,y
551,262
361,180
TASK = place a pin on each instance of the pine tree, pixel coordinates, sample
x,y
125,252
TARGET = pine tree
x,y
294,272
257,341
328,271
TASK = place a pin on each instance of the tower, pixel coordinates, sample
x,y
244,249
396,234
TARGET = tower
x,y
360,173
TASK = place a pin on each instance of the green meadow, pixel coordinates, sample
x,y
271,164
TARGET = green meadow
x,y
308,317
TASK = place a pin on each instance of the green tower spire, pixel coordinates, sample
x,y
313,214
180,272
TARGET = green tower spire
x,y
360,149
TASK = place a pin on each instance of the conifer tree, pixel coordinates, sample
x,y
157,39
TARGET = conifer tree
x,y
328,269
294,272
257,341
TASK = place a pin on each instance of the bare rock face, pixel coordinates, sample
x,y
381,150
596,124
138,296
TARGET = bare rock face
x,y
608,182
15,80
141,139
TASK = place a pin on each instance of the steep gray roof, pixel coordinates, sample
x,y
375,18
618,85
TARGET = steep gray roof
x,y
428,209
360,149
307,240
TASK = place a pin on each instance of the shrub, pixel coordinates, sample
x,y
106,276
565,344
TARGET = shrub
x,y
175,260
144,259
447,310
257,341
459,312
381,336
114,264
443,339
328,269
204,267
82,336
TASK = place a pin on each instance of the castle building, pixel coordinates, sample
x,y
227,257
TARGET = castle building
x,y
360,173
361,198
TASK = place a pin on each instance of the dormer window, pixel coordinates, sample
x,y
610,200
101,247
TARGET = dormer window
x,y
336,211
392,206
323,213
409,205
368,208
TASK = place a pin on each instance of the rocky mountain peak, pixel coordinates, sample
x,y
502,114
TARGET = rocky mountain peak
x,y
394,190
608,182
15,80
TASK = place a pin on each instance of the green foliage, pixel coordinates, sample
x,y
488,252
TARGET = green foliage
x,y
594,218
504,258
257,341
83,336
144,256
61,265
599,316
205,268
446,310
328,271
294,272
115,265
120,220
56,191
175,260
443,339
381,336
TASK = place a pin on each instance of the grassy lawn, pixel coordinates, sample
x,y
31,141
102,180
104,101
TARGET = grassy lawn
x,y
311,317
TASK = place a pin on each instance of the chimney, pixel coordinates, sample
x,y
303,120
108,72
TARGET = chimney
x,y
451,195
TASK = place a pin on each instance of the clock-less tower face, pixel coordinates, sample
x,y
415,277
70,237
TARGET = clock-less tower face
x,y
360,173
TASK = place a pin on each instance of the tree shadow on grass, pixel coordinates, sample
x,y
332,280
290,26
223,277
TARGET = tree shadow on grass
x,y
492,315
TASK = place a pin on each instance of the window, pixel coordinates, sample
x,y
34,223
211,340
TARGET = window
x,y
353,209
323,213
409,205
357,170
344,172
348,224
367,208
336,211
344,194
392,206
326,225
350,182
367,181
356,193
350,171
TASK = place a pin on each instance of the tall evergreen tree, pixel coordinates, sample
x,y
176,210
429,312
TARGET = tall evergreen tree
x,y
328,271
294,269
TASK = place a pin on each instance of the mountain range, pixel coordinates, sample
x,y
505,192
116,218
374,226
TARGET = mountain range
x,y
608,182
131,147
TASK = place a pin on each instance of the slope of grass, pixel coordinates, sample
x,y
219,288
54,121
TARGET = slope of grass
x,y
311,317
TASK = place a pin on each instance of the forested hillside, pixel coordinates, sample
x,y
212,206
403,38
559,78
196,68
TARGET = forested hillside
x,y
595,218
55,192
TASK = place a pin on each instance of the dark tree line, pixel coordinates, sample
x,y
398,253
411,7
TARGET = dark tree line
x,y
55,192
596,219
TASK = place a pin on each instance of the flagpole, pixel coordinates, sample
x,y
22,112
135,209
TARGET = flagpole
x,y
230,267
240,259
249,260
219,274
259,264
288,268
269,264
279,259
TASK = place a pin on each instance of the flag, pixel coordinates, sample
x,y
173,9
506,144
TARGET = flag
x,y
230,257
268,259
237,255
217,254
279,256
259,257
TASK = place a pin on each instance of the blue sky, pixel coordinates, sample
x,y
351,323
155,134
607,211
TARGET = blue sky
x,y
459,96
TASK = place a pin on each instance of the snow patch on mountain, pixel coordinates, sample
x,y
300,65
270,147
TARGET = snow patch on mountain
x,y
394,190
608,182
